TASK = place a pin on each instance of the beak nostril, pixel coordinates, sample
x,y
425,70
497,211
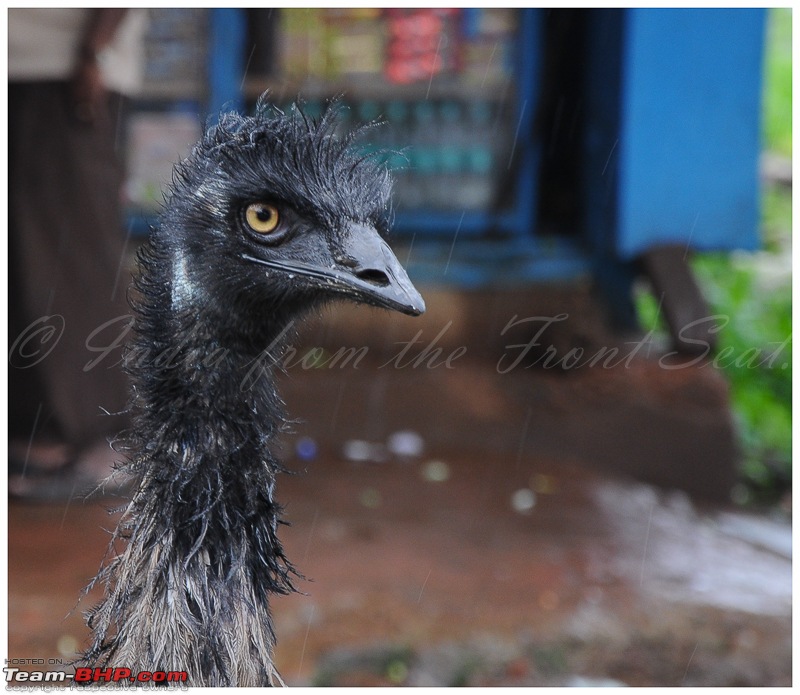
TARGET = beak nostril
x,y
373,276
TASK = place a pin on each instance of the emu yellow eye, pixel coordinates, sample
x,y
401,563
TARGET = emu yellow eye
x,y
262,218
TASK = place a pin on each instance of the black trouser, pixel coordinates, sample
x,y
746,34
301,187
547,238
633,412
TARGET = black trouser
x,y
66,265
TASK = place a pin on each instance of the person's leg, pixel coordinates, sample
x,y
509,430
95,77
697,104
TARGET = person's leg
x,y
69,276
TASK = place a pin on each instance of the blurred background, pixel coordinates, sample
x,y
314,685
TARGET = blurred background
x,y
575,469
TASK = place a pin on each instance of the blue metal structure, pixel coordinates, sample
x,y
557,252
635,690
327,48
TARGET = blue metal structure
x,y
671,140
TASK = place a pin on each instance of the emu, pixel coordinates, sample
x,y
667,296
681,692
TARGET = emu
x,y
268,218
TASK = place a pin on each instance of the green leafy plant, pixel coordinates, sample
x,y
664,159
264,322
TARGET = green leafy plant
x,y
778,82
756,297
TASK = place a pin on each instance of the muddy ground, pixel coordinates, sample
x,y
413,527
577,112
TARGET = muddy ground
x,y
555,527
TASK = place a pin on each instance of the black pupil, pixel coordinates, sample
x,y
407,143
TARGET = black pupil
x,y
264,214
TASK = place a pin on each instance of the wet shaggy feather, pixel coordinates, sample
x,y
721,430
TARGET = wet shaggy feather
x,y
196,555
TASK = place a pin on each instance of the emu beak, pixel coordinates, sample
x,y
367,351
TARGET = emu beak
x,y
364,268
375,273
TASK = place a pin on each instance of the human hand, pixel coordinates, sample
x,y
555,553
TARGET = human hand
x,y
89,94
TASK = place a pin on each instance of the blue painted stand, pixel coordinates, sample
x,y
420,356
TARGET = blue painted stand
x,y
689,136
671,142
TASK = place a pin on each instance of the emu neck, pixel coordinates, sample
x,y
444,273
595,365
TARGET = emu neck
x,y
212,397
191,589
206,413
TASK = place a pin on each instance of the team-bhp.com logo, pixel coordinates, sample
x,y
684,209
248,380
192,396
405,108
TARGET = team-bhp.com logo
x,y
95,675
117,675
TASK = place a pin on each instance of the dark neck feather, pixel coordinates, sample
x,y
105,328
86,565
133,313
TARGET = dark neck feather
x,y
191,589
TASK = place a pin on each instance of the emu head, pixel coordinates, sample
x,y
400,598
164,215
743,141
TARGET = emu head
x,y
274,213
